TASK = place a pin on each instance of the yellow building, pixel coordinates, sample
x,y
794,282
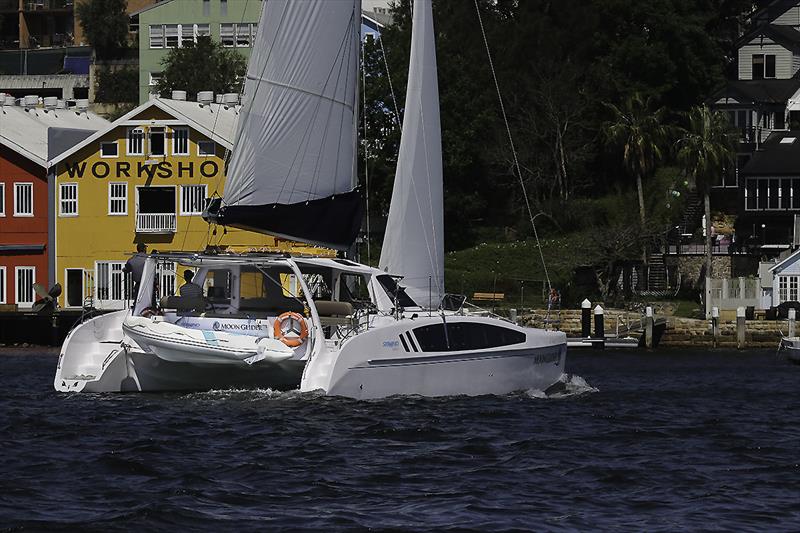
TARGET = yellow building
x,y
143,179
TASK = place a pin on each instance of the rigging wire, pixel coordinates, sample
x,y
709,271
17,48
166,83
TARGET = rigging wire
x,y
511,142
365,143
391,86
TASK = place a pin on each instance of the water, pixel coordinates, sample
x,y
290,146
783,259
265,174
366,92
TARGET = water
x,y
634,441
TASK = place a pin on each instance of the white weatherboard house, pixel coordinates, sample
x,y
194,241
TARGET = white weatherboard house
x,y
786,280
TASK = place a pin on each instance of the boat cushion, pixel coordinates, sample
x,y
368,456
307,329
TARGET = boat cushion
x,y
328,308
183,303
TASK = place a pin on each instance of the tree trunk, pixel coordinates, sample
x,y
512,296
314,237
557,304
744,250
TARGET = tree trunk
x,y
645,259
707,208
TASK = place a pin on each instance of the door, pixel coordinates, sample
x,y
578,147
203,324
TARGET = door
x,y
75,287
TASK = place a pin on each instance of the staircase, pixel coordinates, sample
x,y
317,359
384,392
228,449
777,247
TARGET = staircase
x,y
657,274
692,214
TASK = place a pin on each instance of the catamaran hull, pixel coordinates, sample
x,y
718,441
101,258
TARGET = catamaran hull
x,y
790,346
98,357
370,366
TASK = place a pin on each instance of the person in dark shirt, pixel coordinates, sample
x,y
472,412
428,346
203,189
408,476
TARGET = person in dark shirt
x,y
135,266
189,289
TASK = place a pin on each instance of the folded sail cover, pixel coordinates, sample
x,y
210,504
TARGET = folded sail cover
x,y
292,172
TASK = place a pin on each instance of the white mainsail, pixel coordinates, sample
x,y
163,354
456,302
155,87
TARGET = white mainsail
x,y
414,242
296,136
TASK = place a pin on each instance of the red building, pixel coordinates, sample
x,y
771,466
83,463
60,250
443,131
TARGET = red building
x,y
27,204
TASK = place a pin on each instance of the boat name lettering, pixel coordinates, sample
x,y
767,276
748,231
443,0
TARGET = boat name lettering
x,y
220,326
554,358
142,170
391,344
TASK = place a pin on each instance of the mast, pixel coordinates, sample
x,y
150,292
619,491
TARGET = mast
x,y
414,242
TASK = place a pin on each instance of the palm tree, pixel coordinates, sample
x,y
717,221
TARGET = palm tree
x,y
705,150
642,135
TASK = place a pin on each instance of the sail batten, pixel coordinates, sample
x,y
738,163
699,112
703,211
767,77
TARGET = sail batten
x,y
295,135
414,242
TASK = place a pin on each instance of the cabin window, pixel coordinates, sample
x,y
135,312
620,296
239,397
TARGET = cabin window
x,y
180,141
206,148
157,143
2,199
193,199
68,204
218,286
110,149
465,336
25,278
2,284
117,198
353,288
226,35
23,199
135,141
156,36
395,291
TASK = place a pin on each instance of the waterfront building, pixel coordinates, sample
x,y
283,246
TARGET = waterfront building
x,y
29,134
172,23
145,178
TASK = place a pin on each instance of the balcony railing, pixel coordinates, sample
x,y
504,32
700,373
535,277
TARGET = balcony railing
x,y
155,223
39,5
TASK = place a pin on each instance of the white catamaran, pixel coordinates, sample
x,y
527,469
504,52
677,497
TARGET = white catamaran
x,y
317,323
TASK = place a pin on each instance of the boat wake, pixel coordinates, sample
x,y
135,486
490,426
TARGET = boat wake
x,y
567,386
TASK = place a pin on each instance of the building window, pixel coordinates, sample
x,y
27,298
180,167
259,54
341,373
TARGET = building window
x,y
25,277
155,77
166,279
226,35
2,284
793,288
171,36
135,141
110,281
243,35
23,199
763,66
156,209
110,149
193,199
180,141
206,8
203,30
68,204
206,148
157,36
223,8
157,144
187,34
2,199
117,198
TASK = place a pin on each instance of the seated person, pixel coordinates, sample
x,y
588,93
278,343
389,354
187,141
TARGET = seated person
x,y
189,289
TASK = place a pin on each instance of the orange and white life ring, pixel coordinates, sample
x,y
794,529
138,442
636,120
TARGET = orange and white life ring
x,y
290,328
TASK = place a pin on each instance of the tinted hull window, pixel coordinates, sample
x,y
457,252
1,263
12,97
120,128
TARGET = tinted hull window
x,y
465,336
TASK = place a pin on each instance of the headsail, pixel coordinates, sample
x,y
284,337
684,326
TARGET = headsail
x,y
414,243
292,172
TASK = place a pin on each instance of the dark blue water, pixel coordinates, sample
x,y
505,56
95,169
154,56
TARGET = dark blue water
x,y
703,441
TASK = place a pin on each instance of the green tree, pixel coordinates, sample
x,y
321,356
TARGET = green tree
x,y
642,135
221,72
705,150
105,23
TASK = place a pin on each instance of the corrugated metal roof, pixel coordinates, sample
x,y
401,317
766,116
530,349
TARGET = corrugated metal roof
x,y
25,131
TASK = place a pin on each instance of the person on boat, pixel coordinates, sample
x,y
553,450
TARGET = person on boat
x,y
554,300
135,266
189,289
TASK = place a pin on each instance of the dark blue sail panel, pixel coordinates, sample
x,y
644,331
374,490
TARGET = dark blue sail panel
x,y
333,222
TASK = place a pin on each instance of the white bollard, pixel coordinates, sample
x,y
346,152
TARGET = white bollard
x,y
740,328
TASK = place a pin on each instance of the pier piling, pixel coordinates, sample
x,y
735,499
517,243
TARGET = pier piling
x,y
715,325
599,328
648,327
792,317
740,328
586,318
